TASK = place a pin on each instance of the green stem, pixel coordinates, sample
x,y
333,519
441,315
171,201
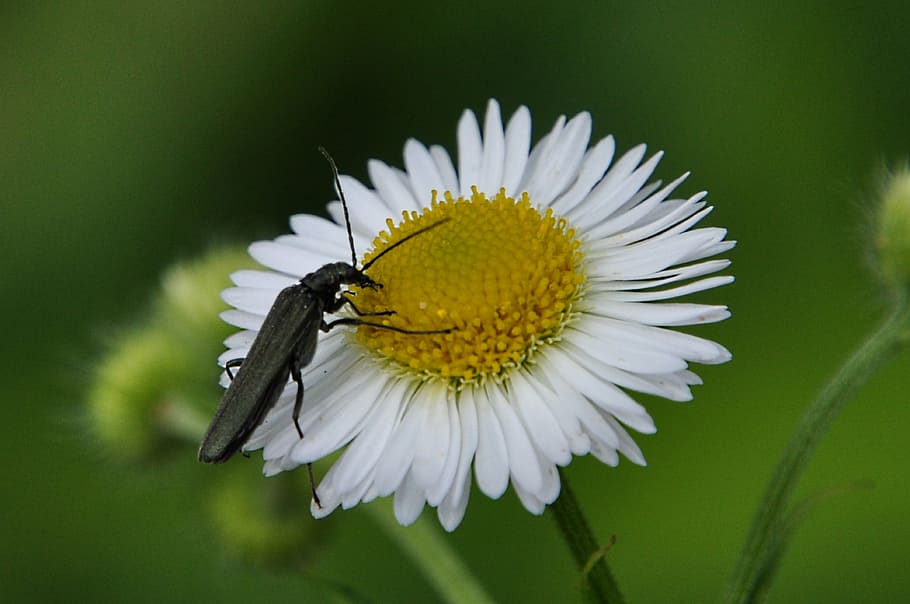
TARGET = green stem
x,y
587,552
752,574
430,551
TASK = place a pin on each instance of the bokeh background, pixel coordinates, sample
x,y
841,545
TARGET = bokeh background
x,y
134,135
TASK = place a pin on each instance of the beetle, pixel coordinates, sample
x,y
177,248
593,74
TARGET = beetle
x,y
286,343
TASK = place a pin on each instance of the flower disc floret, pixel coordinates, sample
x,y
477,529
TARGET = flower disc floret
x,y
499,274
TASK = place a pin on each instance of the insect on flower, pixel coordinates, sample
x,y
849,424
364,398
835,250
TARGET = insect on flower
x,y
554,284
286,343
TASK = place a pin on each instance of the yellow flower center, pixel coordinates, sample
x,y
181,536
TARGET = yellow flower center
x,y
501,276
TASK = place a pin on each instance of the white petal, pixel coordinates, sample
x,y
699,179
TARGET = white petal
x,y
262,280
446,170
490,179
241,339
627,445
683,345
668,213
341,413
535,501
530,501
362,239
630,356
666,294
517,145
329,494
282,441
613,400
651,216
470,152
641,260
444,481
322,236
539,421
491,463
252,300
667,385
667,218
558,163
567,420
243,320
661,278
605,454
422,171
370,493
432,445
596,161
556,366
362,455
392,186
271,467
541,150
328,500
550,489
408,501
317,228
665,314
451,510
366,210
357,493
663,294
523,464
603,201
288,259
396,459
332,359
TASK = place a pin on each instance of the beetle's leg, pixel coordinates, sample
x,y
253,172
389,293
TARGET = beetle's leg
x,y
309,469
230,364
342,300
298,405
298,401
355,321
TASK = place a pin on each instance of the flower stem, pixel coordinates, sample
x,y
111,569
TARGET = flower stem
x,y
588,553
430,551
765,542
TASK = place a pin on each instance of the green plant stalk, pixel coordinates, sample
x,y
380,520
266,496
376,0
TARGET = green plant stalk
x,y
587,552
430,552
746,583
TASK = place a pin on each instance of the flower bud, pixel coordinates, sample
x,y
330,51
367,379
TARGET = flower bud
x,y
159,383
130,395
893,230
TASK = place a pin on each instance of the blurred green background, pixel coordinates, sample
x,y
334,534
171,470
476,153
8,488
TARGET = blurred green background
x,y
133,135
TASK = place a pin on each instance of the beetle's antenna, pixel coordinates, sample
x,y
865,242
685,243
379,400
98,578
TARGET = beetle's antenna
x,y
397,243
344,204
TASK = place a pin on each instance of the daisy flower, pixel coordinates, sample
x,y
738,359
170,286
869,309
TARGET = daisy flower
x,y
550,266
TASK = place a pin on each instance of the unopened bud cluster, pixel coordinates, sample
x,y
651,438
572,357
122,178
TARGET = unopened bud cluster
x,y
892,240
151,387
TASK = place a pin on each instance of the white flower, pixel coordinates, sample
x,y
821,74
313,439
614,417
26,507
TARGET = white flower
x,y
551,269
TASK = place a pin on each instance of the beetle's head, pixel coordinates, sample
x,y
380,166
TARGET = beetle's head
x,y
364,281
